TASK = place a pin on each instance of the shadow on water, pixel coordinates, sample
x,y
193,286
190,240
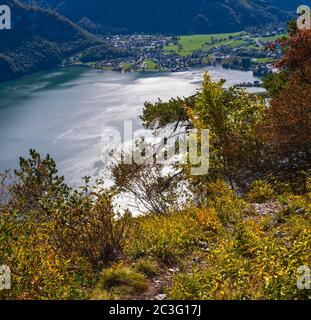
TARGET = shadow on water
x,y
15,91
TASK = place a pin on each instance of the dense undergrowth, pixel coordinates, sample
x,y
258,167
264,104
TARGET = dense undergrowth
x,y
228,250
257,257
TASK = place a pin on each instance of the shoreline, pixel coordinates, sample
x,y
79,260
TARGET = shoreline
x,y
89,67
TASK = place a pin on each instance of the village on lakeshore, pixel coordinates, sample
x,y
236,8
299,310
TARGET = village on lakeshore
x,y
246,51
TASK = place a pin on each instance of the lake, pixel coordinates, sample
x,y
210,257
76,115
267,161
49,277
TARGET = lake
x,y
67,112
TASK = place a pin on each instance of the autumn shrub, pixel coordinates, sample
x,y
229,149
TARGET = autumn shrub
x,y
260,192
296,204
286,128
39,270
91,228
154,190
54,239
228,206
232,116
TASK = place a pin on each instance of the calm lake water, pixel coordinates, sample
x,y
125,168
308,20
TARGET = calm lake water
x,y
66,112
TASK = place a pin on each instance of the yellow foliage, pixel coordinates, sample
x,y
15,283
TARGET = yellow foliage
x,y
252,262
260,192
169,237
38,271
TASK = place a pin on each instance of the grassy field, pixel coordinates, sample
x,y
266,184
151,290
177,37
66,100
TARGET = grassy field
x,y
150,65
270,39
245,44
188,44
264,60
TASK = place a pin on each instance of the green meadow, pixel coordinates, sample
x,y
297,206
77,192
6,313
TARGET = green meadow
x,y
188,44
150,65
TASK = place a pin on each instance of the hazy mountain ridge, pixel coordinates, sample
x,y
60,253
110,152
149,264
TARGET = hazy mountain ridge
x,y
174,16
290,5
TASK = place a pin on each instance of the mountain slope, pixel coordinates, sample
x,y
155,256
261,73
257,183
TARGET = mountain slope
x,y
173,16
39,39
290,5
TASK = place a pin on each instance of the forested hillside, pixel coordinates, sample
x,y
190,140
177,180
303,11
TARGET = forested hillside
x,y
290,5
39,39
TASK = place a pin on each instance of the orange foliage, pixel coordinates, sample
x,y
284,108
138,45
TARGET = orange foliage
x,y
287,129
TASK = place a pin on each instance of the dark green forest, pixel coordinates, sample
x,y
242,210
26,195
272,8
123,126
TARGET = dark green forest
x,y
41,39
